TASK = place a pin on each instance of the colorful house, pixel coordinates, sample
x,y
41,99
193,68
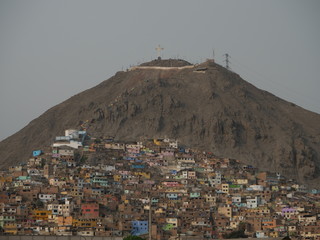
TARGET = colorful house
x,y
41,215
139,228
90,210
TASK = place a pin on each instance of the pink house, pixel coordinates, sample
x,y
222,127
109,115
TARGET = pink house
x,y
171,184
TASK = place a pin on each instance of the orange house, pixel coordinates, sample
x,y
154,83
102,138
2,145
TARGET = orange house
x,y
64,221
88,223
6,179
268,224
41,215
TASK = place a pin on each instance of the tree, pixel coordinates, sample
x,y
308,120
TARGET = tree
x,y
83,159
131,237
240,233
236,234
38,204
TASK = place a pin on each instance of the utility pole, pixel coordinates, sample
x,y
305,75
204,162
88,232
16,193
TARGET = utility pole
x,y
150,218
227,60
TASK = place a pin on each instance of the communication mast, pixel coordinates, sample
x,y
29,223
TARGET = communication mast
x,y
227,60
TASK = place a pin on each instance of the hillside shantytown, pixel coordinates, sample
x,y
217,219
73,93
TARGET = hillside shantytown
x,y
96,186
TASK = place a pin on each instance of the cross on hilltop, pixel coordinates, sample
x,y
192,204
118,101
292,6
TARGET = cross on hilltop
x,y
159,49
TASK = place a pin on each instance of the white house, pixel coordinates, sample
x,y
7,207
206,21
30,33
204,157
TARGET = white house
x,y
46,197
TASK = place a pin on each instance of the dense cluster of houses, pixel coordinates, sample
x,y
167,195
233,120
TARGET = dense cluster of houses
x,y
100,187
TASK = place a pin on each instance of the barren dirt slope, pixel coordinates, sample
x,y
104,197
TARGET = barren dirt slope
x,y
203,106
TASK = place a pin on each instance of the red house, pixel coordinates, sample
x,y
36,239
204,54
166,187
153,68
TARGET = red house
x,y
90,210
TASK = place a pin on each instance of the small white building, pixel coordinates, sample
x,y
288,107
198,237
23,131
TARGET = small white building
x,y
173,221
88,233
253,202
72,133
71,143
46,197
173,144
256,187
236,199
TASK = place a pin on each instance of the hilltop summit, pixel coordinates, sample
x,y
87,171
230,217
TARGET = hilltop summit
x,y
203,106
167,63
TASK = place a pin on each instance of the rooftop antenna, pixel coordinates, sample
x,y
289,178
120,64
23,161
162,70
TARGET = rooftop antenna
x,y
227,60
159,49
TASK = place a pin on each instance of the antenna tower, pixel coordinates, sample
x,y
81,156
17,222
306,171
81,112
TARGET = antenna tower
x,y
227,60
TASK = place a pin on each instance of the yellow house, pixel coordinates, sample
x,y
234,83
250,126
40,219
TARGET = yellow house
x,y
41,215
274,234
10,228
117,178
159,211
143,174
156,142
52,218
225,188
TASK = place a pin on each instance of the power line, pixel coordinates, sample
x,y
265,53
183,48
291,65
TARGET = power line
x,y
273,84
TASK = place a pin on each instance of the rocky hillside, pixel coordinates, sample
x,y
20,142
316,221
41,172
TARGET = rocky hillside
x,y
204,106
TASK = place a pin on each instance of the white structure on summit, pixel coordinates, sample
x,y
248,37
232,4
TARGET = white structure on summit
x,y
159,49
160,68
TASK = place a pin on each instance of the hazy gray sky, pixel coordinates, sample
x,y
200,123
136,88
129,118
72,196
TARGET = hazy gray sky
x,y
51,50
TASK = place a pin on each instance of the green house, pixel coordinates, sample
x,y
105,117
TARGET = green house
x,y
195,195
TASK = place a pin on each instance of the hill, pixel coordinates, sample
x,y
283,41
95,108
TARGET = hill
x,y
203,106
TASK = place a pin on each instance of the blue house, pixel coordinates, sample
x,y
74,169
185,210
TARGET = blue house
x,y
139,228
182,150
174,172
129,158
172,196
137,166
36,153
315,191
